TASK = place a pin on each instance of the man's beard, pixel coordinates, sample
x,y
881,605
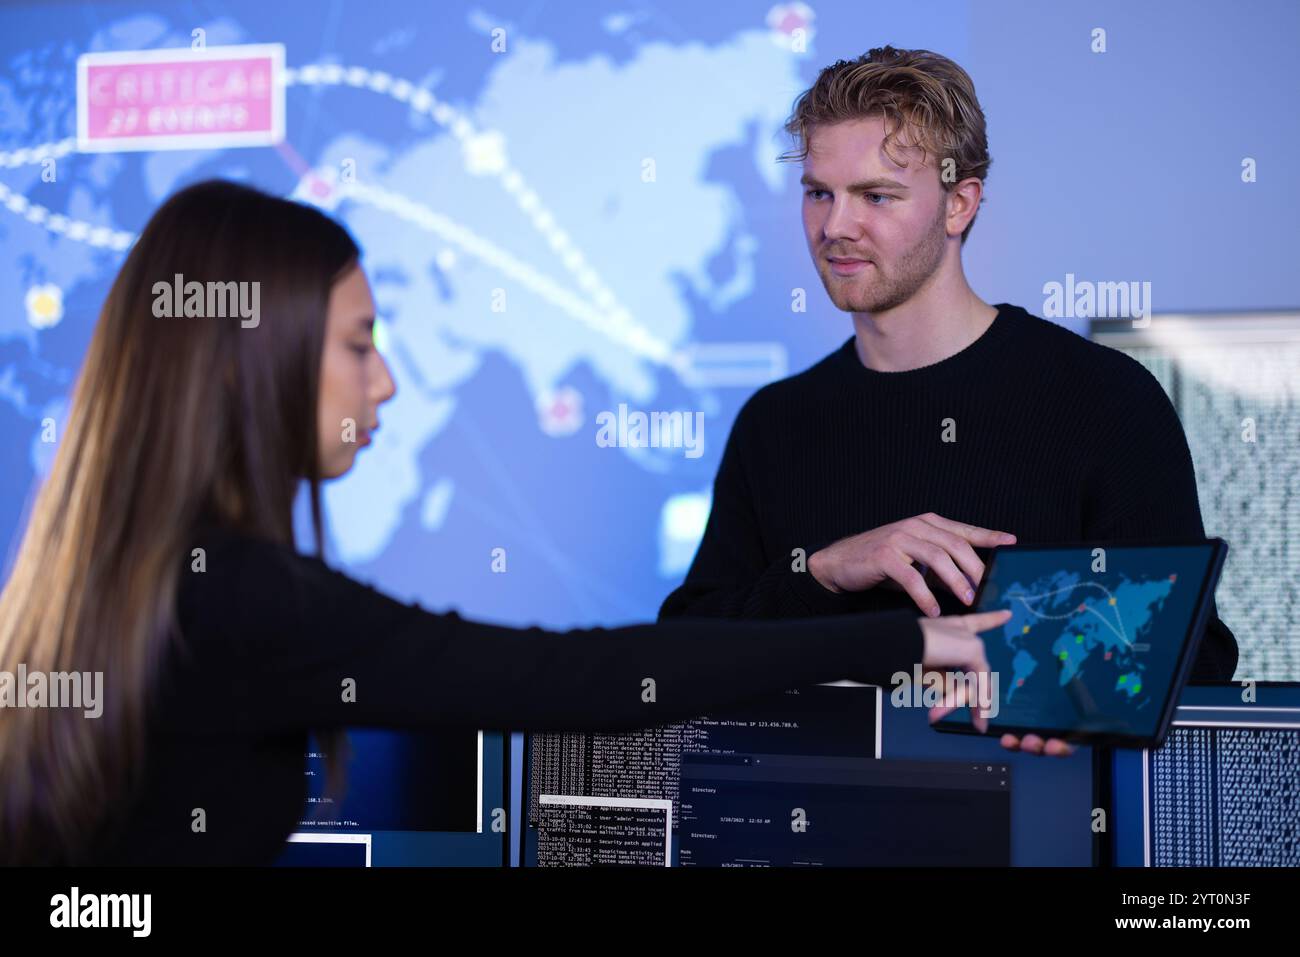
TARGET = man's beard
x,y
884,291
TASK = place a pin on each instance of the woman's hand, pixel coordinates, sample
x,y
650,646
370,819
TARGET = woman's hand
x,y
952,643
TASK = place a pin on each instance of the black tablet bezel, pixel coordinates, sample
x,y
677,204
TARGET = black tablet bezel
x,y
1200,621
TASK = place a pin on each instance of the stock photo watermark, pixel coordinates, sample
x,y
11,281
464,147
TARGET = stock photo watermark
x,y
53,689
179,299
133,912
1084,299
931,689
658,430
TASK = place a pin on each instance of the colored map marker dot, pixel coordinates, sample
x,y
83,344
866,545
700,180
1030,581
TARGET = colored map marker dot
x,y
1078,639
1123,678
1137,688
1112,601
1083,607
1020,682
1026,629
1064,656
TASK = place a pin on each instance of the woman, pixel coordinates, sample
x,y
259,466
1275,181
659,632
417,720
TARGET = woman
x,y
160,553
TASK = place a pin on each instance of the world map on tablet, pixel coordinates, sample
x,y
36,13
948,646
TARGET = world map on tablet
x,y
1094,637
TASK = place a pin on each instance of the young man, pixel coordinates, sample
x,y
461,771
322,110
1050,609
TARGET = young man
x,y
945,424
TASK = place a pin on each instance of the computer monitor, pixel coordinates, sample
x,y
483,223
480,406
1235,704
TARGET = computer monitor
x,y
580,831
827,776
1224,788
1051,798
418,798
821,721
766,810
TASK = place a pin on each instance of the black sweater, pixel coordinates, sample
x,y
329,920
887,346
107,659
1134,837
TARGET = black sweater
x,y
269,637
1058,439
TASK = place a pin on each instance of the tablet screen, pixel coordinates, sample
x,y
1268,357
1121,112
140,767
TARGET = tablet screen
x,y
1096,635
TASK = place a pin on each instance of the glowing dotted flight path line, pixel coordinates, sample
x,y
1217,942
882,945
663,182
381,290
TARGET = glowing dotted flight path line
x,y
57,223
488,154
1118,631
12,159
608,316
632,337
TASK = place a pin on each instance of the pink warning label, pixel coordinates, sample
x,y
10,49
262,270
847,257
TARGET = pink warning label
x,y
181,99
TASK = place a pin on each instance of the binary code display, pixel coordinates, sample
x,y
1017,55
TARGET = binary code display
x,y
1225,797
1235,383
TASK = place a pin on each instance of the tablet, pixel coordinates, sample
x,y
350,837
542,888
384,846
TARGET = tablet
x,y
1101,638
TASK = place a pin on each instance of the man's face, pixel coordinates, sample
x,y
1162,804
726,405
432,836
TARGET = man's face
x,y
876,230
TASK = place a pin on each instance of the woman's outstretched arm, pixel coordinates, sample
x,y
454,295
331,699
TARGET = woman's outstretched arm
x,y
277,641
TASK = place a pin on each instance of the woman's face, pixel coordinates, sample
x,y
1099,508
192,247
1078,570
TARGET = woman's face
x,y
354,377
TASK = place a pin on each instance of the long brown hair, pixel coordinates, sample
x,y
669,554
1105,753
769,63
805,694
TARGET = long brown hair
x,y
172,420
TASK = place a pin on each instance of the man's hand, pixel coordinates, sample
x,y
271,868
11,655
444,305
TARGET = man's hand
x,y
892,552
1036,745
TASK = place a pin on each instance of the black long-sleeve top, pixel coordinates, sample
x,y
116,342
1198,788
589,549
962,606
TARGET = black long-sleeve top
x,y
1057,439
269,637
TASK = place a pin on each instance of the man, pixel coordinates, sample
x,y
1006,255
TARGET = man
x,y
945,425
